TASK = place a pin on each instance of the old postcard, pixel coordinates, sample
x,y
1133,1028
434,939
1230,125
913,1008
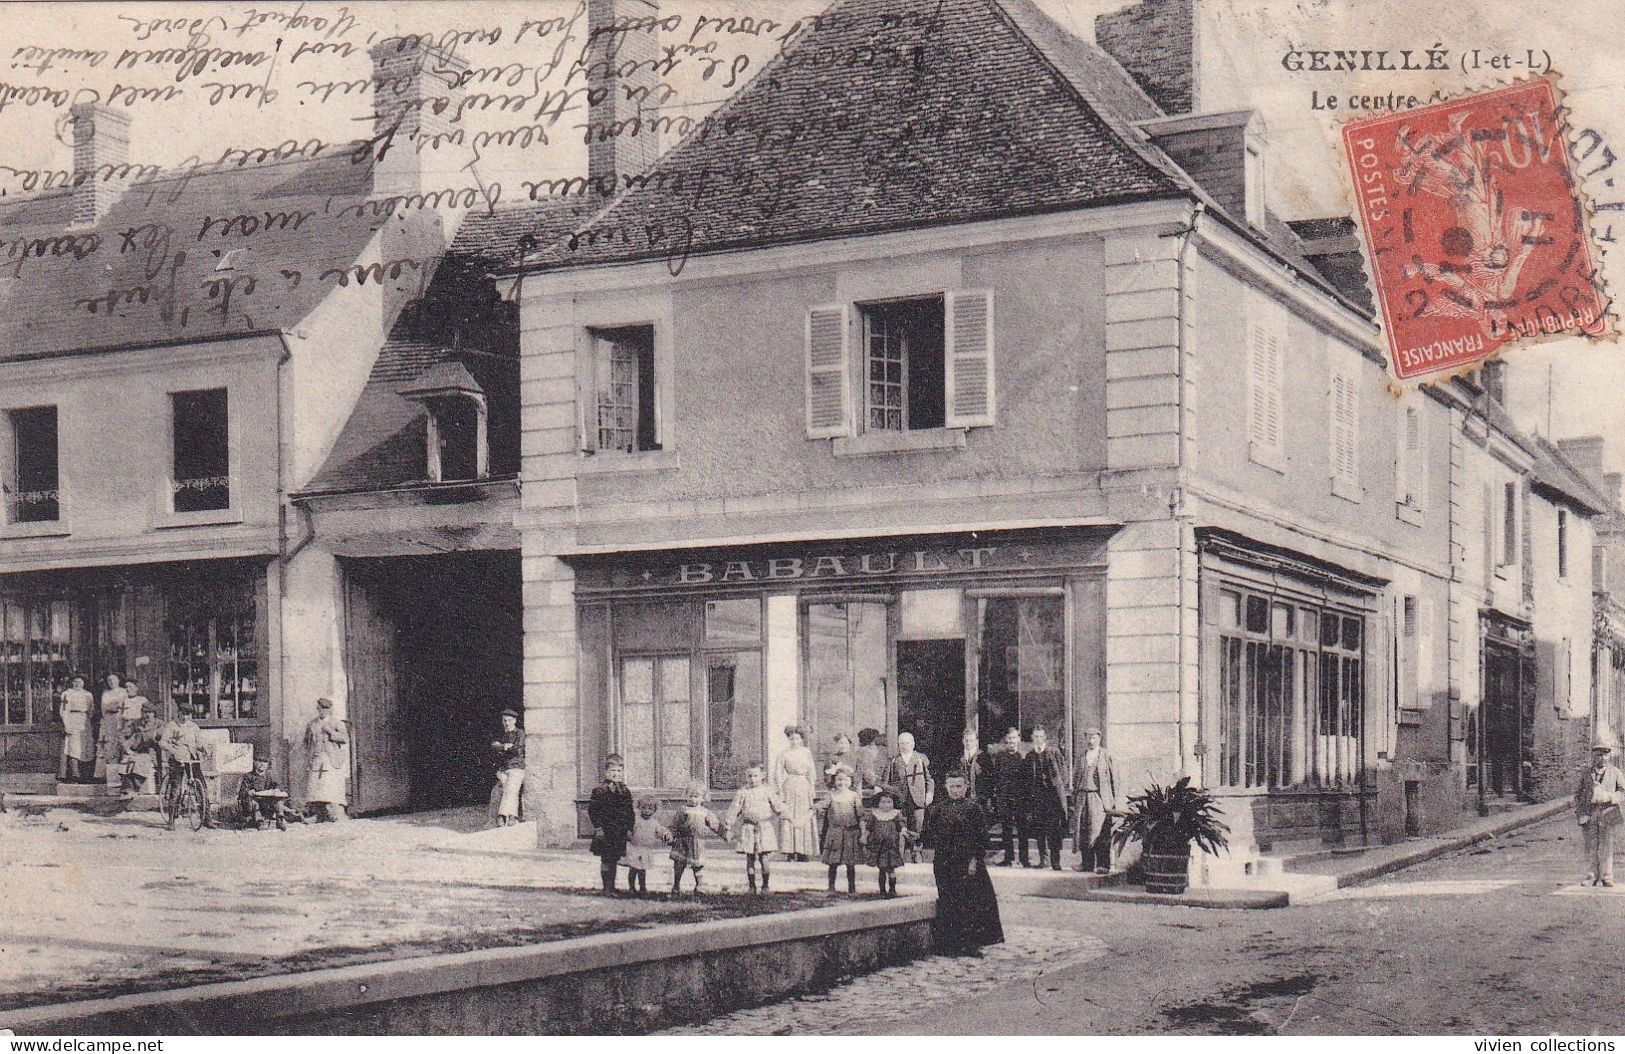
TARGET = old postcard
x,y
811,517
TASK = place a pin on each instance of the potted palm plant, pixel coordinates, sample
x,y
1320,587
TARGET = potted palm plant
x,y
1166,820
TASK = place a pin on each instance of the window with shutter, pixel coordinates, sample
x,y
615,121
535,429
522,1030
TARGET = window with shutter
x,y
1345,437
1264,387
970,358
828,396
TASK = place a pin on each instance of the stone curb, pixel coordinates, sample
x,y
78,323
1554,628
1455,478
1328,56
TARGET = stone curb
x,y
1481,831
335,989
1222,899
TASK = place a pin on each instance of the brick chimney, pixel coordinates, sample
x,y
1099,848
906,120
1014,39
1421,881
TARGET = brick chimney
x,y
1492,377
1611,486
414,101
622,51
101,149
1156,41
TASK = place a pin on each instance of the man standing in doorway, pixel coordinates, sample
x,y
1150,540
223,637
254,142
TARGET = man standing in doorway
x,y
1046,799
327,748
1006,779
1096,799
1597,802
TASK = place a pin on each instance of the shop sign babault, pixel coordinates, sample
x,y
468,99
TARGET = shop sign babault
x,y
794,568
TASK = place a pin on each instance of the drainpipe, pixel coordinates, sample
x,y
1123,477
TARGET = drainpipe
x,y
1176,502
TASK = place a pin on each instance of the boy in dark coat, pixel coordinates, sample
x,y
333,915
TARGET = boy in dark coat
x,y
1006,780
610,811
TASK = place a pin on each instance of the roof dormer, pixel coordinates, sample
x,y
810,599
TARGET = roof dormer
x,y
458,447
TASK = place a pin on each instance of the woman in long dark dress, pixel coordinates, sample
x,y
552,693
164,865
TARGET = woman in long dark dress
x,y
967,910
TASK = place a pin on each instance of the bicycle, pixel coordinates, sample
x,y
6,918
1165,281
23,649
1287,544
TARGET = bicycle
x,y
187,795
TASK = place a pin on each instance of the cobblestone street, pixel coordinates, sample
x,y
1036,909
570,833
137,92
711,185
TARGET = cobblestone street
x,y
1498,938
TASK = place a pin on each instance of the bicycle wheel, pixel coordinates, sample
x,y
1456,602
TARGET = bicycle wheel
x,y
194,807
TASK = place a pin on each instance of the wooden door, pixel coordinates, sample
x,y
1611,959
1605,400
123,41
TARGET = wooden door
x,y
380,773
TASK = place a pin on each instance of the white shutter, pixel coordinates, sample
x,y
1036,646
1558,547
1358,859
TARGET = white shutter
x,y
1414,423
1345,431
970,400
1272,402
829,396
1402,457
1264,387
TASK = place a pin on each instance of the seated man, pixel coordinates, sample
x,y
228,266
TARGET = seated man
x,y
260,801
141,751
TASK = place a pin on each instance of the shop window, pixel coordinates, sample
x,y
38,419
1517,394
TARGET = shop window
x,y
733,684
1290,707
32,482
656,720
847,666
213,653
627,417
202,452
1021,675
36,656
737,621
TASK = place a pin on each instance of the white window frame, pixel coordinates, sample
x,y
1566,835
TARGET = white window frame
x,y
167,515
619,313
10,526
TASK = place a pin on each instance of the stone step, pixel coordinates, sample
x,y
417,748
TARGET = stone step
x,y
27,783
84,790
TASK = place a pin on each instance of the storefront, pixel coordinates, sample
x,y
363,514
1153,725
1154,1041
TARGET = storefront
x,y
692,663
192,633
1292,664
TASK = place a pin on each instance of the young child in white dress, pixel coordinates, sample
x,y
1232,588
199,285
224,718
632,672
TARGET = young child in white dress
x,y
648,837
753,822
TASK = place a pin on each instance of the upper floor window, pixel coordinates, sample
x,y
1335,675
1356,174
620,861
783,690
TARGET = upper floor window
x,y
1264,379
457,447
926,363
201,481
1562,543
628,418
904,344
1344,426
1410,462
32,480
1509,524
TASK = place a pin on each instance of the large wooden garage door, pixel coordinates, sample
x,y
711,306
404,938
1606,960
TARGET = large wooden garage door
x,y
378,704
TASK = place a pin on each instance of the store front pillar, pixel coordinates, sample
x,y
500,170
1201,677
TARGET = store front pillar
x,y
552,696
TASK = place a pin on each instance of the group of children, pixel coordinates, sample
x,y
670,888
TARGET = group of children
x,y
629,834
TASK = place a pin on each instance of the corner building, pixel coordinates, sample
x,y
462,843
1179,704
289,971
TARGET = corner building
x,y
1045,419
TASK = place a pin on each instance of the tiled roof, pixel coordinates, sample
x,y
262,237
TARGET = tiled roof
x,y
960,115
500,237
382,445
165,282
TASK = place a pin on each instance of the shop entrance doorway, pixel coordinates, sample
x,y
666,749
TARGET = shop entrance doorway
x,y
434,649
931,699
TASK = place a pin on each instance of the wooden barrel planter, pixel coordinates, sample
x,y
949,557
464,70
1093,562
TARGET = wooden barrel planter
x,y
1167,870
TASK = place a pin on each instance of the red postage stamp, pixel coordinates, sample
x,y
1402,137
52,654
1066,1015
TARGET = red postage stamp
x,y
1474,230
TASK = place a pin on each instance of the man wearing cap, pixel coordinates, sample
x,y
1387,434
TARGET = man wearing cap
x,y
509,748
1597,805
1094,798
327,751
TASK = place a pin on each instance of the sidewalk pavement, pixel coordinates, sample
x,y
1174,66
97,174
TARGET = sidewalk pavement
x,y
1306,877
